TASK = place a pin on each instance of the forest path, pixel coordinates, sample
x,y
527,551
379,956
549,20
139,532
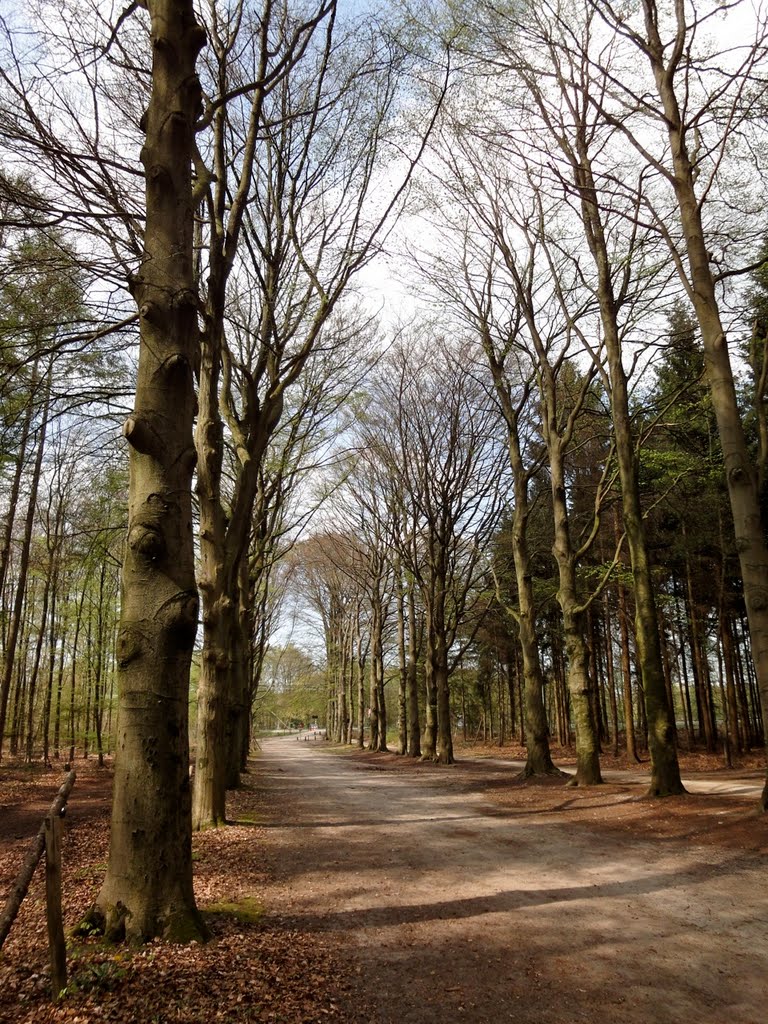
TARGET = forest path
x,y
458,910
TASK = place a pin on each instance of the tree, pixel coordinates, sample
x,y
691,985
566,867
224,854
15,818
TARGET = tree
x,y
436,431
519,294
42,292
557,75
147,890
702,106
300,159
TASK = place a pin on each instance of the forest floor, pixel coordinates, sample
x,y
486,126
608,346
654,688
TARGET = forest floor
x,y
365,887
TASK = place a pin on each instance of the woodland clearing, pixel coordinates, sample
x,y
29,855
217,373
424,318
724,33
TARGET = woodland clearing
x,y
370,887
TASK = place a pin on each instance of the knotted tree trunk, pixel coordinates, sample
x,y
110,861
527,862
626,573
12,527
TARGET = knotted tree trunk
x,y
147,891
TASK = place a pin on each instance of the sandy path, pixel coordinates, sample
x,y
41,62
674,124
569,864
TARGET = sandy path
x,y
457,911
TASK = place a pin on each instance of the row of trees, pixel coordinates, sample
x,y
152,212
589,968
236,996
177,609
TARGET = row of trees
x,y
262,155
370,576
570,260
63,510
275,143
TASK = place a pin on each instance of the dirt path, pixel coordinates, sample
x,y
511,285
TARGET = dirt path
x,y
456,909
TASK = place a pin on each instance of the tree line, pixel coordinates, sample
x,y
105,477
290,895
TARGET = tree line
x,y
541,500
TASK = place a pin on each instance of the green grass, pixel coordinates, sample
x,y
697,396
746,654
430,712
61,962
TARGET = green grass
x,y
246,911
246,818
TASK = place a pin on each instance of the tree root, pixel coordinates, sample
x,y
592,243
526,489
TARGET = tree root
x,y
542,773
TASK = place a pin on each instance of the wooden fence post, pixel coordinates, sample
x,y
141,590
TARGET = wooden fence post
x,y
48,841
56,943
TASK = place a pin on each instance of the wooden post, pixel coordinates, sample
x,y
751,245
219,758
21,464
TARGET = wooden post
x,y
56,943
48,839
20,886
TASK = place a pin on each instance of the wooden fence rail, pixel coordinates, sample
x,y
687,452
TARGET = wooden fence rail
x,y
48,841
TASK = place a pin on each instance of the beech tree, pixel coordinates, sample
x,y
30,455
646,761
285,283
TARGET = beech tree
x,y
147,890
300,160
576,154
702,106
238,136
440,446
545,341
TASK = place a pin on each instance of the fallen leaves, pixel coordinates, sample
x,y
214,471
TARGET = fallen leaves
x,y
252,970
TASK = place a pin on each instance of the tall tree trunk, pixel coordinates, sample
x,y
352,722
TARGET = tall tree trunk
x,y
73,671
736,729
342,683
19,697
63,629
55,625
665,770
686,691
209,796
402,664
374,719
88,686
13,495
352,711
745,712
360,685
21,581
444,746
667,671
739,472
147,891
611,685
429,737
36,663
414,729
626,673
511,673
574,622
381,704
698,658
238,708
539,759
98,674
